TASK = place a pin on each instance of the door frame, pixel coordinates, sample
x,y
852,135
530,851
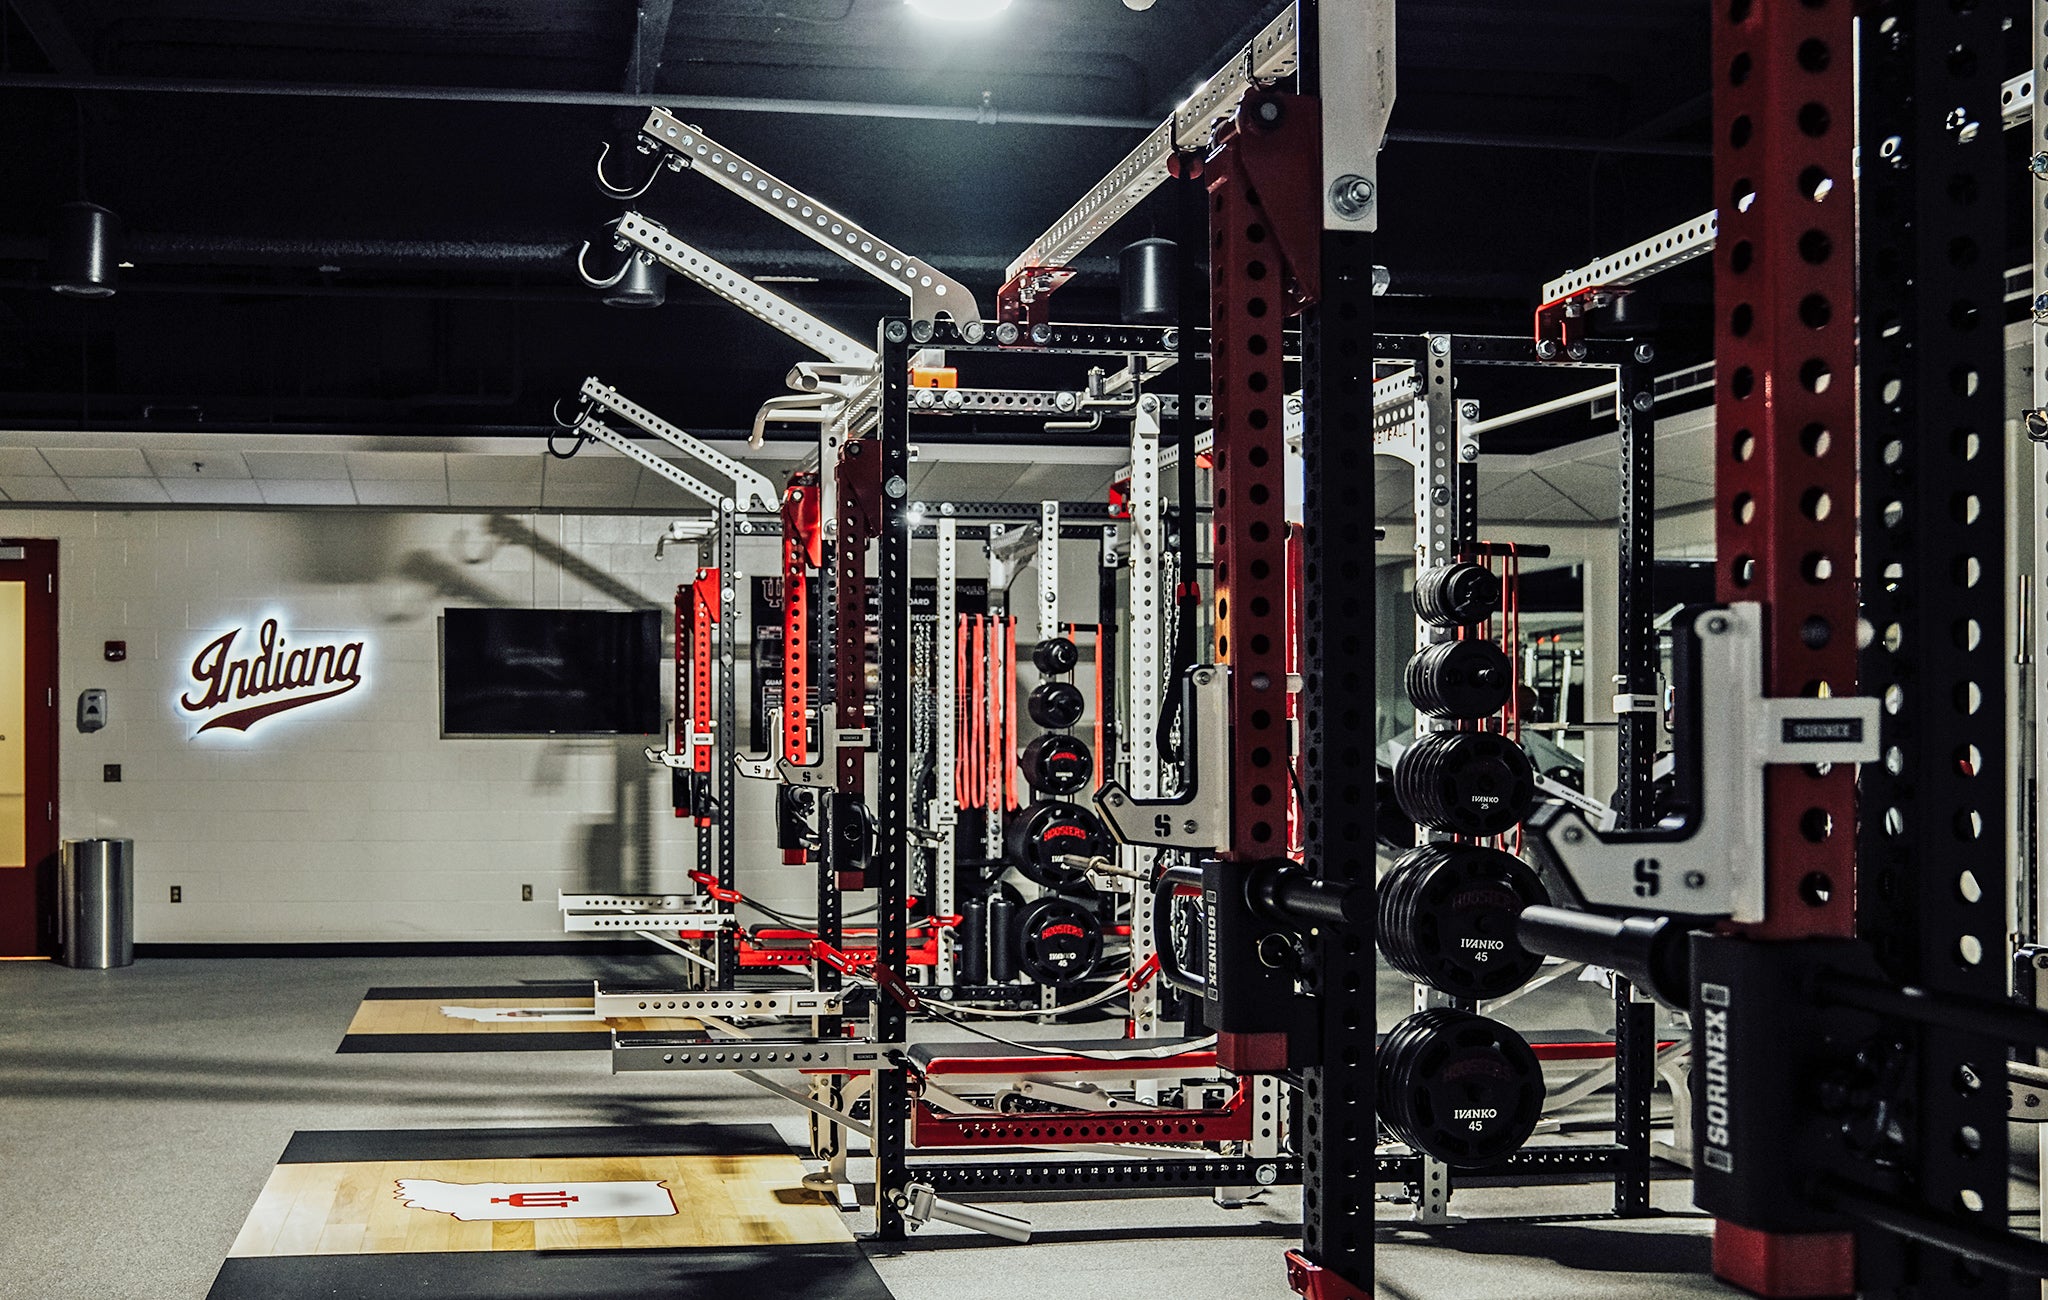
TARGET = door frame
x,y
28,912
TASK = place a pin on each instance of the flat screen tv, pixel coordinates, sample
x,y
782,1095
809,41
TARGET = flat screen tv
x,y
550,672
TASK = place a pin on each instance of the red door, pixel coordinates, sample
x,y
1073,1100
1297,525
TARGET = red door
x,y
28,747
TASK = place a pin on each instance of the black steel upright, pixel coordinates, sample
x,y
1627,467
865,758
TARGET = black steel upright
x,y
1635,689
1339,717
1932,834
725,737
891,875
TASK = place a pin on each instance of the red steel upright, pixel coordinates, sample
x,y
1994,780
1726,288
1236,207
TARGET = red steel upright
x,y
1785,471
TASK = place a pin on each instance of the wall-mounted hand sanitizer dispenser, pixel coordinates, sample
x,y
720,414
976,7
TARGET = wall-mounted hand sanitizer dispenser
x,y
92,709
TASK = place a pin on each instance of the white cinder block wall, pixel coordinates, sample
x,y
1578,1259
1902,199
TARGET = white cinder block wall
x,y
356,821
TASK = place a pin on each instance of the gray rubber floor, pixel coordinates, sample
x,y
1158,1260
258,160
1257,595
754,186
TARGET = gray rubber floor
x,y
142,1109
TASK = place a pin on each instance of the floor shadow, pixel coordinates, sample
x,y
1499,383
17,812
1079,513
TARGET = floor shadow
x,y
1593,1250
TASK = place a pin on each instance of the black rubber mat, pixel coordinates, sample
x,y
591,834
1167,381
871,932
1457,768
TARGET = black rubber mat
x,y
345,1145
508,1041
819,1272
537,989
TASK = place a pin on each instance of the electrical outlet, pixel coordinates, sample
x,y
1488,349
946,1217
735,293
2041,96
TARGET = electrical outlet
x,y
177,893
526,893
110,772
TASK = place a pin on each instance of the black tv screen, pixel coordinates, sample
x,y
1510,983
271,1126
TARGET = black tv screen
x,y
550,672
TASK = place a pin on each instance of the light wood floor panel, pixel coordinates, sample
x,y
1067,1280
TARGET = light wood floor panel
x,y
353,1209
424,1016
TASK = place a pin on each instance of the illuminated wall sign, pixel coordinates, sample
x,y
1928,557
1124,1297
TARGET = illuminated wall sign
x,y
235,692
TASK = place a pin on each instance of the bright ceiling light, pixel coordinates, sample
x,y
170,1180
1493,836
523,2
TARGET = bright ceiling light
x,y
959,11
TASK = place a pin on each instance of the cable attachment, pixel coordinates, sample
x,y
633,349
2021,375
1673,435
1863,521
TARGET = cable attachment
x,y
597,282
614,189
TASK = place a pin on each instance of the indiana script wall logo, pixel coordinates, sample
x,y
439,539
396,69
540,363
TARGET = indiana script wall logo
x,y
238,680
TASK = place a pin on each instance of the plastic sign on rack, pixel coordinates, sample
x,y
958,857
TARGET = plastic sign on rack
x,y
240,678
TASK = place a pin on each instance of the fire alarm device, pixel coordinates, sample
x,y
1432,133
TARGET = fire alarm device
x,y
92,709
116,651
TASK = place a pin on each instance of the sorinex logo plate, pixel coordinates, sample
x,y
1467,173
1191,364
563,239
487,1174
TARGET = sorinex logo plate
x,y
238,679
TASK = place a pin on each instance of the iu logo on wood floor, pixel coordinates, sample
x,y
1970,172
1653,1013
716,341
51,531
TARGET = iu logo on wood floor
x,y
470,1202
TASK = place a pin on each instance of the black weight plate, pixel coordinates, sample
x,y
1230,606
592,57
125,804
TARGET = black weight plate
x,y
1459,1087
1456,595
1447,919
1057,764
1391,823
1467,679
1055,656
1058,941
1470,783
1057,705
1040,835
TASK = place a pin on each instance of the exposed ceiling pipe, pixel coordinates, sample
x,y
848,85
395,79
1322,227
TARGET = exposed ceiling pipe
x,y
985,115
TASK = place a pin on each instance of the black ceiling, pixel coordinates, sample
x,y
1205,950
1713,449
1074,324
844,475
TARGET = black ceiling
x,y
370,261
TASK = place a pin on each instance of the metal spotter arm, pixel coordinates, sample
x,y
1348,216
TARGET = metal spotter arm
x,y
589,426
1268,56
1695,238
932,292
751,489
634,230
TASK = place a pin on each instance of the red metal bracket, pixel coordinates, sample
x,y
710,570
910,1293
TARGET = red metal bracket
x,y
1784,1265
704,613
721,893
859,482
679,739
1562,321
1025,298
802,550
1310,1279
1231,1122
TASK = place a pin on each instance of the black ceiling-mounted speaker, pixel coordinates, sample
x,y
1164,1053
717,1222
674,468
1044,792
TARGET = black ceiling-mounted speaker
x,y
83,255
644,284
1151,289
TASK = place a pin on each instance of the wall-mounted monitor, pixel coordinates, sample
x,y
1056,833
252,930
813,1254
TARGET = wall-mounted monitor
x,y
550,672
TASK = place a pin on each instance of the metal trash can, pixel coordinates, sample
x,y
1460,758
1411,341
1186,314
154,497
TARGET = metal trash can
x,y
96,904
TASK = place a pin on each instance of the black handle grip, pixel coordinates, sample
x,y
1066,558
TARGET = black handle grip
x,y
1652,951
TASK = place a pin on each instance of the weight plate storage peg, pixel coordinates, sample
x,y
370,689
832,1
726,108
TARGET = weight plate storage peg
x,y
1456,595
1057,764
1058,941
1459,1087
1447,917
1460,679
1057,705
1041,836
1466,782
1055,656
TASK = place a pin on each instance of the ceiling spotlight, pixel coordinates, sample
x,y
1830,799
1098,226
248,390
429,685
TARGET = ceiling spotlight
x,y
82,255
959,11
641,283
